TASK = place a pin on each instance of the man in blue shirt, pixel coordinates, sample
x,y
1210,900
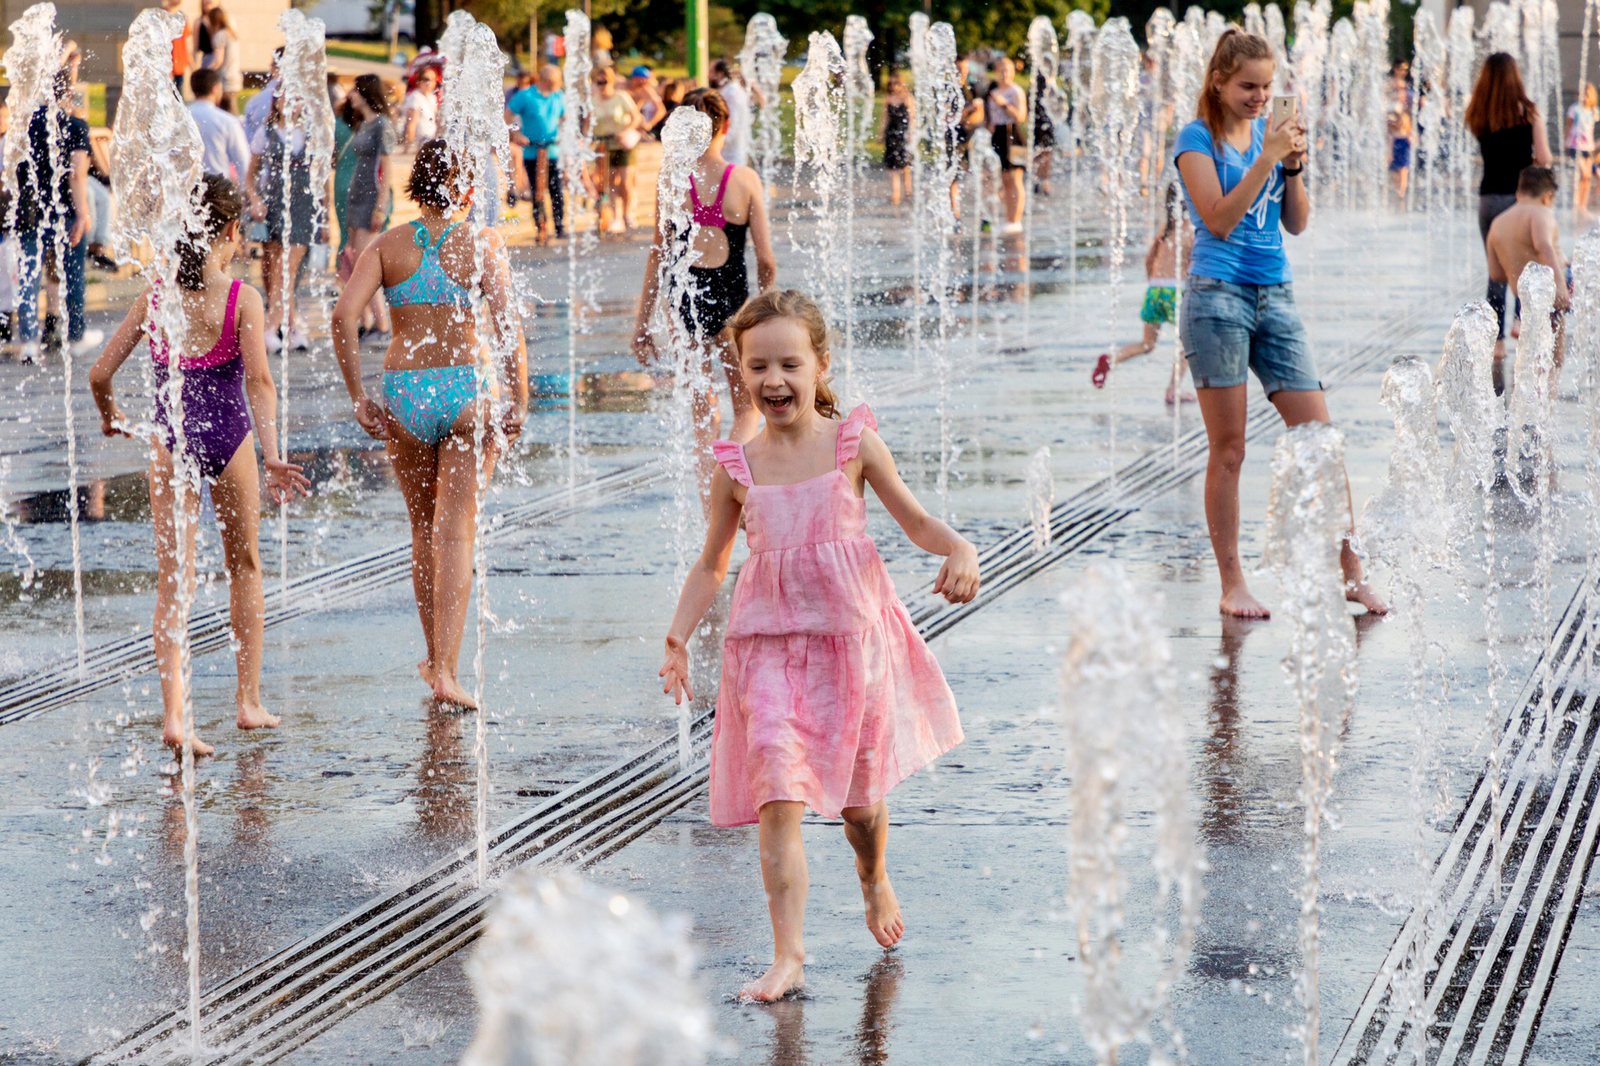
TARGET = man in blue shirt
x,y
539,108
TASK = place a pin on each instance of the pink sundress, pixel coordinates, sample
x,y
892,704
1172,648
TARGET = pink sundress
x,y
829,695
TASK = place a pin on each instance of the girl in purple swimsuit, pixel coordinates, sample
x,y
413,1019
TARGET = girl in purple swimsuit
x,y
216,433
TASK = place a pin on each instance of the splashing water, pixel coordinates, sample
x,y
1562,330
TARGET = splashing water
x,y
1309,58
1126,744
1460,64
983,171
1080,38
1044,96
303,88
1114,107
1428,114
577,152
1406,527
820,111
1306,523
922,98
1276,34
22,565
938,215
858,122
155,168
472,123
1475,415
1583,338
684,138
1041,485
569,974
1530,425
31,64
761,61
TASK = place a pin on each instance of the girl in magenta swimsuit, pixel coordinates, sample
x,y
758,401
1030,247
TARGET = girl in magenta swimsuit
x,y
216,436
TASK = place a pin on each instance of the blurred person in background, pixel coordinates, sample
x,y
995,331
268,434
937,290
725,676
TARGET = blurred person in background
x,y
642,87
539,109
725,78
224,55
419,111
369,201
224,149
616,128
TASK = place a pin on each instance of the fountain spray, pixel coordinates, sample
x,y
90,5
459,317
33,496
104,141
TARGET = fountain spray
x,y
1460,64
472,123
31,65
1306,523
1041,485
684,138
303,88
155,168
1475,415
577,150
1427,109
820,109
858,108
1406,526
1529,427
922,96
569,973
1044,91
945,92
1114,106
761,61
1080,38
1583,337
1126,743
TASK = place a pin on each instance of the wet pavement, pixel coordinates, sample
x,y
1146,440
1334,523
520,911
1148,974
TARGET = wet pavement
x,y
366,785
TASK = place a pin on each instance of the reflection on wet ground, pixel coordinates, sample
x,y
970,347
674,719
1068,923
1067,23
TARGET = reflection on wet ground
x,y
367,783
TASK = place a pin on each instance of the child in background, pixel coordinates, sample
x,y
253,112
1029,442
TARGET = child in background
x,y
898,111
1161,268
829,696
1527,232
218,440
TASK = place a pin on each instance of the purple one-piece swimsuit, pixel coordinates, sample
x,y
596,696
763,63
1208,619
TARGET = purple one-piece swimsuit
x,y
216,419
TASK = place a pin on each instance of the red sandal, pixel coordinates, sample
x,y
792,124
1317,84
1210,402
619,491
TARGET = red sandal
x,y
1102,367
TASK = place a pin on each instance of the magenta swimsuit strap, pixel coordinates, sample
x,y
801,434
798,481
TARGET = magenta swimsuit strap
x,y
225,350
710,215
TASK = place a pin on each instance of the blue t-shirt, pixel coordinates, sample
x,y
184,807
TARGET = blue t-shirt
x,y
1253,252
541,119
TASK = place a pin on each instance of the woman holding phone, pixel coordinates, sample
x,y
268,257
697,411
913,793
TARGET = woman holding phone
x,y
1241,175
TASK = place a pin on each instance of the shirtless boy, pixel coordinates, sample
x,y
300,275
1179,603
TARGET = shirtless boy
x,y
1526,233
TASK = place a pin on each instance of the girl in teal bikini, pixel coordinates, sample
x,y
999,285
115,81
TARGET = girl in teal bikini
x,y
1161,267
426,418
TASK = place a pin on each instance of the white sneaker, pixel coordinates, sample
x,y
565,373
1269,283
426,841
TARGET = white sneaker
x,y
91,339
30,351
297,340
274,342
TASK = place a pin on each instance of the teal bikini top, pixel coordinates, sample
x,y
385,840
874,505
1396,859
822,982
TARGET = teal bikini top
x,y
430,284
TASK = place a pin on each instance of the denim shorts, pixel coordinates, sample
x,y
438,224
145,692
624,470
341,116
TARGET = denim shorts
x,y
1228,328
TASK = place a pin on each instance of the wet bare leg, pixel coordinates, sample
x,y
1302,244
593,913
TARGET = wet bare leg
x,y
416,467
237,496
783,872
172,566
867,829
1223,411
454,530
1298,407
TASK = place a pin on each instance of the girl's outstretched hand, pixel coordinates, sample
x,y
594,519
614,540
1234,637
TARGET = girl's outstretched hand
x,y
284,480
675,671
958,577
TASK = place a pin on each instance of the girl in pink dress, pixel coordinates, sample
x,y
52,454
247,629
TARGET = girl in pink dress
x,y
829,696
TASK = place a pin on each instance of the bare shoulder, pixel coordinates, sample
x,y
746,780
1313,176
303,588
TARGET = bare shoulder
x,y
250,300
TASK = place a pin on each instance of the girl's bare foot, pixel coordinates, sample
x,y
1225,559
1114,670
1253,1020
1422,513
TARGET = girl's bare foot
x,y
1238,603
255,716
447,689
426,671
172,737
884,920
1359,591
782,977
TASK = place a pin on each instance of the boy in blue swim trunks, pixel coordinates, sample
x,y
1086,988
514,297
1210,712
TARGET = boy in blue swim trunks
x,y
1161,267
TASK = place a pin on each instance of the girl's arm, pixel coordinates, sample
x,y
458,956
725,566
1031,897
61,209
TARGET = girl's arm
x,y
644,346
508,329
364,282
1541,144
117,349
1018,110
958,577
761,234
1150,258
701,586
283,478
1221,213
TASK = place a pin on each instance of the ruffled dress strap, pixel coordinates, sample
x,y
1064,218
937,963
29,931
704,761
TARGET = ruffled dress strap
x,y
731,456
850,433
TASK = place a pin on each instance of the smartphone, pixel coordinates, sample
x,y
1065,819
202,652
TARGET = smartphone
x,y
1283,109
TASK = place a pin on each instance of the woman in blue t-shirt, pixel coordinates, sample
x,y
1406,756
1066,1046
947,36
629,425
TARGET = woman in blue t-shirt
x,y
1243,186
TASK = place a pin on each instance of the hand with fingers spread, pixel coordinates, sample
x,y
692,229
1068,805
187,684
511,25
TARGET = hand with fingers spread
x,y
675,672
285,480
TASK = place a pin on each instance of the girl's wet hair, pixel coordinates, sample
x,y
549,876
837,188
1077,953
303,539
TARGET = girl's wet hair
x,y
433,175
709,102
220,207
789,303
1234,49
